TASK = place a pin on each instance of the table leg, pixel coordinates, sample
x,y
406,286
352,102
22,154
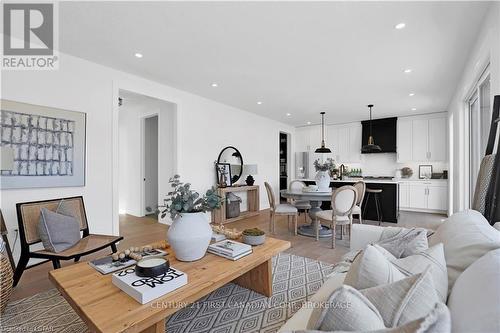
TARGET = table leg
x,y
159,327
310,229
258,279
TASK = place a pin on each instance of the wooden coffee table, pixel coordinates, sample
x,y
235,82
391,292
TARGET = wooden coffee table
x,y
105,308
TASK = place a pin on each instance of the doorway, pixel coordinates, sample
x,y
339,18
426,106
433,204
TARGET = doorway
x,y
146,152
285,161
150,164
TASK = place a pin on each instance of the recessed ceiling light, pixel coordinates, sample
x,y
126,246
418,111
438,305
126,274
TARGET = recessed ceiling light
x,y
138,55
215,85
411,94
259,102
288,114
414,109
408,70
308,123
400,25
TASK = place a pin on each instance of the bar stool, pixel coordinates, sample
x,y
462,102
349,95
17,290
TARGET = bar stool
x,y
376,195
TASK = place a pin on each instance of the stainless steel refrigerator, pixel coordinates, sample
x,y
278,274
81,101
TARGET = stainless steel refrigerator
x,y
302,165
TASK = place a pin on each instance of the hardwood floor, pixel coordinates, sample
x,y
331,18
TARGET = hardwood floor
x,y
142,230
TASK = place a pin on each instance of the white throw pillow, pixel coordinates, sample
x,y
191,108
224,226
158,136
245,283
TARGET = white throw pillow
x,y
403,242
388,305
474,301
376,266
466,237
437,321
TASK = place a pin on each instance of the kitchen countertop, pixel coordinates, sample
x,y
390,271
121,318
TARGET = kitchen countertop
x,y
382,181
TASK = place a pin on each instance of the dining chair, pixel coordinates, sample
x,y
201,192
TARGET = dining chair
x,y
301,205
361,189
343,201
287,210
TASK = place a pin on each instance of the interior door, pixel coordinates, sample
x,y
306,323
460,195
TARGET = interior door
x,y
404,140
437,139
419,138
150,162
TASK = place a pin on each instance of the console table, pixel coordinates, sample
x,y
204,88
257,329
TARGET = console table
x,y
253,205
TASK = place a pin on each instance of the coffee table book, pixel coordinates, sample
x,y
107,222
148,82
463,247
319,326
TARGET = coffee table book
x,y
229,248
230,257
146,289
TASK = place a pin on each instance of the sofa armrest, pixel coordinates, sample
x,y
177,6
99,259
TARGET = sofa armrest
x,y
364,234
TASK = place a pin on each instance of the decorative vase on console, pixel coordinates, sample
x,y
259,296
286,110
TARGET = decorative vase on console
x,y
323,173
190,233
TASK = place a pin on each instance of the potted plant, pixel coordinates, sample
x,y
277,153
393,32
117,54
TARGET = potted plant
x,y
190,233
323,173
253,236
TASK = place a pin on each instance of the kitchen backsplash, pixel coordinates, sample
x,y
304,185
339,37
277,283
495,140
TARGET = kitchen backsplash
x,y
386,165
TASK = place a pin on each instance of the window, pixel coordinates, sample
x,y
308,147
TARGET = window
x,y
479,127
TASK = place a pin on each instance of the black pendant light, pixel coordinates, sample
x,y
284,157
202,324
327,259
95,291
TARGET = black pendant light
x,y
322,149
371,147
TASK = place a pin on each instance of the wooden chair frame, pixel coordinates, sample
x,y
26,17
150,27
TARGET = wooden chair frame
x,y
336,212
28,236
360,185
273,213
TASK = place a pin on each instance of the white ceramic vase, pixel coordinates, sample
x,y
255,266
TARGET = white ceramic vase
x,y
189,235
322,180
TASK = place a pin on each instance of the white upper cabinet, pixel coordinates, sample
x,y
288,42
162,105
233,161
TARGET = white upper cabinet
x,y
422,138
437,139
302,139
345,142
404,140
419,137
355,133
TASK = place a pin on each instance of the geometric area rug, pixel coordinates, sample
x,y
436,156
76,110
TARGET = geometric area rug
x,y
229,309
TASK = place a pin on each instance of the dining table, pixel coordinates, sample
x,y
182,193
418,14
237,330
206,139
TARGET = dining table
x,y
315,198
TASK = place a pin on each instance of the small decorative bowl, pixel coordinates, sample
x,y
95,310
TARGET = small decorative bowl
x,y
151,267
253,240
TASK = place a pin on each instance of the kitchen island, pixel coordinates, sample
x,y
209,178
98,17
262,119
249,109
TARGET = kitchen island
x,y
389,198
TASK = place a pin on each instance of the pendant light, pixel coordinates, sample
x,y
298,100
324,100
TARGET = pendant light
x,y
371,147
322,149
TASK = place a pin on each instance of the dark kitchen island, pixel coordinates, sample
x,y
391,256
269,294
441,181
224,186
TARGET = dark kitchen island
x,y
388,198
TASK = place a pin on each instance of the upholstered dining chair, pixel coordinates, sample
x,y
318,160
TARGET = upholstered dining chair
x,y
361,188
301,205
343,201
287,210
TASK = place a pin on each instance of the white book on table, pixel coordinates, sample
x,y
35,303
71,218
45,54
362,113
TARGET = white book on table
x,y
230,248
146,289
229,257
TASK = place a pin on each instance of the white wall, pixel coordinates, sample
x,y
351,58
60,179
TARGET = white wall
x,y
487,49
203,128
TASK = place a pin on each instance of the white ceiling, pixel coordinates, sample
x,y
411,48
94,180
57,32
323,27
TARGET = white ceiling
x,y
296,57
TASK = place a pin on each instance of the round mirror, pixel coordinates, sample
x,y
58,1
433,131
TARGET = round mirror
x,y
233,157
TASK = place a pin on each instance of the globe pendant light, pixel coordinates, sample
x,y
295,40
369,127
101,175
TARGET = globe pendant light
x,y
323,149
371,147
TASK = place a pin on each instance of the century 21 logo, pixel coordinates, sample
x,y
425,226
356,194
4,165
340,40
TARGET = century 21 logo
x,y
28,29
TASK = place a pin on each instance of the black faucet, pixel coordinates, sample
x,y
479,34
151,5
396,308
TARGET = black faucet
x,y
341,171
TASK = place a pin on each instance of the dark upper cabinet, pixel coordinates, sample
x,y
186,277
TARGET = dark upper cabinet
x,y
384,133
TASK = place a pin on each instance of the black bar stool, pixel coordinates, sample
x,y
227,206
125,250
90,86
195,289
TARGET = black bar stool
x,y
376,195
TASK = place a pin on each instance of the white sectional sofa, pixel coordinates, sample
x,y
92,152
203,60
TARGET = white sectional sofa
x,y
472,252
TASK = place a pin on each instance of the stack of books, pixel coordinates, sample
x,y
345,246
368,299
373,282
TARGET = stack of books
x,y
230,249
146,289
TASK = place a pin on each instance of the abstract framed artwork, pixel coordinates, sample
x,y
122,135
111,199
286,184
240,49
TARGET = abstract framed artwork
x,y
41,146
